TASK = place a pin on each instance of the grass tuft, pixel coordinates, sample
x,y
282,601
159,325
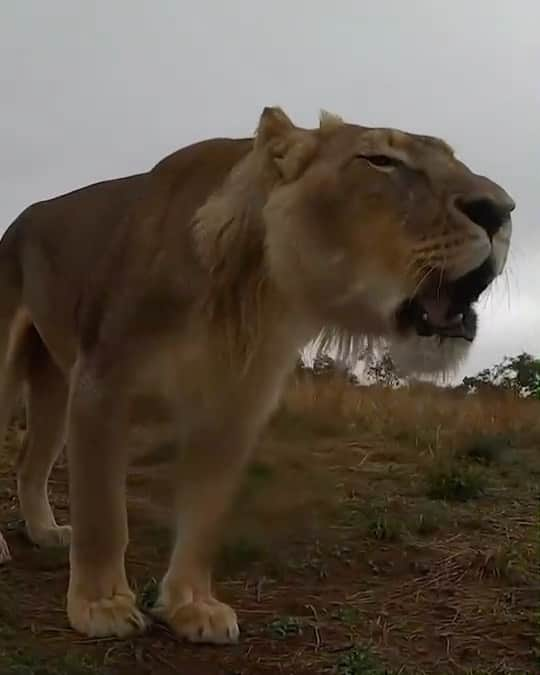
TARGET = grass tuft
x,y
430,520
385,527
286,627
508,562
455,483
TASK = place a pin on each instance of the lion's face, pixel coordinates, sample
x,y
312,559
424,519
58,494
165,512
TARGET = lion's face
x,y
380,231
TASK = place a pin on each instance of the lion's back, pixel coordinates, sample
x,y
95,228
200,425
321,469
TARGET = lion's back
x,y
74,254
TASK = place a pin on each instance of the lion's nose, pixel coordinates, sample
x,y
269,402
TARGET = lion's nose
x,y
486,211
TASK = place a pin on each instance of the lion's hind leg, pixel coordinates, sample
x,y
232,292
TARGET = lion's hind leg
x,y
14,325
46,401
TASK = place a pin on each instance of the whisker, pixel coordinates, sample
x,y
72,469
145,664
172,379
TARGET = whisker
x,y
429,270
439,285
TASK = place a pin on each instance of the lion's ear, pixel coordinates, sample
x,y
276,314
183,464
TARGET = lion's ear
x,y
273,125
328,120
288,147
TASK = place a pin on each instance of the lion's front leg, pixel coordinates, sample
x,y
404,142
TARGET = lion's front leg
x,y
210,475
100,601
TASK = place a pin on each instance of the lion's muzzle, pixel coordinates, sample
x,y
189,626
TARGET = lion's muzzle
x,y
490,211
443,305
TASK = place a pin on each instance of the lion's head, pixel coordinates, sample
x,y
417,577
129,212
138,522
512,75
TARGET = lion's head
x,y
380,232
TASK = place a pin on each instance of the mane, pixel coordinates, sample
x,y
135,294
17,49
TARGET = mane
x,y
230,241
346,348
413,358
242,300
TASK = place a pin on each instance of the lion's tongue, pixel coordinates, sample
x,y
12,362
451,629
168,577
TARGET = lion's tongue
x,y
444,321
437,309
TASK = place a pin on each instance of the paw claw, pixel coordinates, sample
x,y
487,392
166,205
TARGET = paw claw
x,y
117,615
209,621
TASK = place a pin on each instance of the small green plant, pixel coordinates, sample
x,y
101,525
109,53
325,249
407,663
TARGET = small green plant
x,y
149,594
374,518
384,527
286,627
360,661
455,483
429,520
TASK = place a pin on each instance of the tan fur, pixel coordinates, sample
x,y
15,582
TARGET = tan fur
x,y
195,285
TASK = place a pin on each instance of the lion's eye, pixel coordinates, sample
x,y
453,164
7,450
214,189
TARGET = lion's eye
x,y
382,161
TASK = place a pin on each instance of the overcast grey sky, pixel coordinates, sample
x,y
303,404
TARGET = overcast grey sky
x,y
92,90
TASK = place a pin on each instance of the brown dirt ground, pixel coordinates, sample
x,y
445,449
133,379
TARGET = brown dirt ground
x,y
333,546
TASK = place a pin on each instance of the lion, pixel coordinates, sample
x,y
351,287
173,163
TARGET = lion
x,y
197,284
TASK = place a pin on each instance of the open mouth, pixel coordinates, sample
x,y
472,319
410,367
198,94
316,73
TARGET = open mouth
x,y
445,308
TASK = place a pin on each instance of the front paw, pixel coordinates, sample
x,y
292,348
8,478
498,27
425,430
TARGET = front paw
x,y
116,615
205,621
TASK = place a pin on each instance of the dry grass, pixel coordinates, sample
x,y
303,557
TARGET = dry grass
x,y
377,531
422,416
